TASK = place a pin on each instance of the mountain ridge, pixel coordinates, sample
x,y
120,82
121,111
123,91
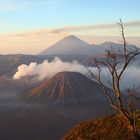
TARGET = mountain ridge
x,y
68,45
72,45
67,87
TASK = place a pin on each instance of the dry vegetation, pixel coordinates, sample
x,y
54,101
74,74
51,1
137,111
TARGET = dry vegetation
x,y
114,127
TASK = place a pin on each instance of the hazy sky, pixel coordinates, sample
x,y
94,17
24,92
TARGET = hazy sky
x,y
29,26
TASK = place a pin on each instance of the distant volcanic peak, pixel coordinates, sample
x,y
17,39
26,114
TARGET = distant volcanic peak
x,y
67,87
72,45
69,45
71,38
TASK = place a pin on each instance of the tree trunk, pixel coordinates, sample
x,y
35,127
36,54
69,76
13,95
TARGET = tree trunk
x,y
136,134
132,122
134,128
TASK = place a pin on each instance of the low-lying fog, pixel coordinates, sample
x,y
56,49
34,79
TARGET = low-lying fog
x,y
48,69
23,120
29,121
20,120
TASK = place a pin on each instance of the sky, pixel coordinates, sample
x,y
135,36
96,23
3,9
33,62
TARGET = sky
x,y
30,26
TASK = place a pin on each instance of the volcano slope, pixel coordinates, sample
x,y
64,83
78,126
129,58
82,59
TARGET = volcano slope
x,y
67,87
81,99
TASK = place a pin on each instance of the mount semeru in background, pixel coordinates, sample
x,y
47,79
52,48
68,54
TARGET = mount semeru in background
x,y
72,45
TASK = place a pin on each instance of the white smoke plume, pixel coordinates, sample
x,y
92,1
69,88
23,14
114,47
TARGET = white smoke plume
x,y
47,69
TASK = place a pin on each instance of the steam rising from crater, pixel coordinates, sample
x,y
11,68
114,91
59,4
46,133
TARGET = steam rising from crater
x,y
47,69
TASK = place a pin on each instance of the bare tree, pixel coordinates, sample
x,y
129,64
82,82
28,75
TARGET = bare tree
x,y
116,63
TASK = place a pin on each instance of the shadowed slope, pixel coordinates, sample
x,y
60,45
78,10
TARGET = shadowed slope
x,y
70,45
67,87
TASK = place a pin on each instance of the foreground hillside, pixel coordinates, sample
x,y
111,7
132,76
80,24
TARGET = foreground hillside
x,y
114,127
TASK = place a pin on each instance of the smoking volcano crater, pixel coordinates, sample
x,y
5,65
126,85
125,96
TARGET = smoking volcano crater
x,y
66,87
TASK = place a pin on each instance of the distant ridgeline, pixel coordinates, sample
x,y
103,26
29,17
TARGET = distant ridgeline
x,y
71,45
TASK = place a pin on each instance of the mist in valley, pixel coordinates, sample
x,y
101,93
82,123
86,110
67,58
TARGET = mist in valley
x,y
43,96
46,70
22,119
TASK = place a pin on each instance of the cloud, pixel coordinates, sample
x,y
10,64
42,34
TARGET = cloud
x,y
35,33
9,5
133,23
97,27
12,5
70,29
48,69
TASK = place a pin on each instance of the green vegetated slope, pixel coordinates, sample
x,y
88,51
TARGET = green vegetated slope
x,y
114,127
